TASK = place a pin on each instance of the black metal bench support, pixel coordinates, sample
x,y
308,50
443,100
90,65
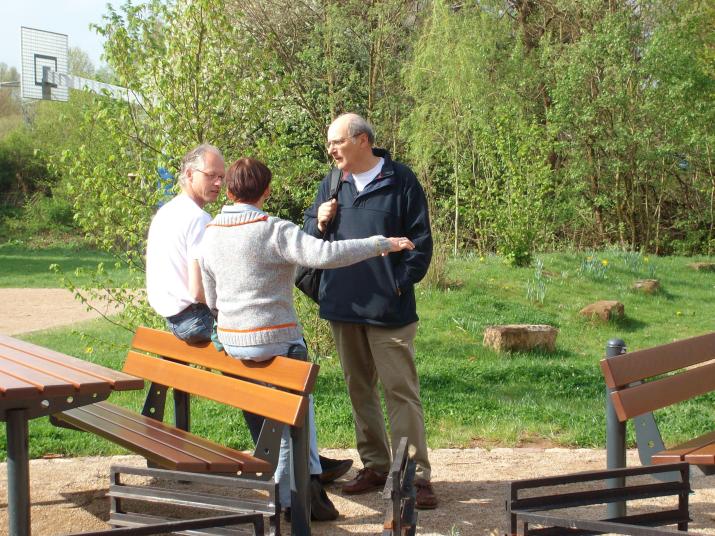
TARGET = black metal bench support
x,y
540,502
179,488
401,516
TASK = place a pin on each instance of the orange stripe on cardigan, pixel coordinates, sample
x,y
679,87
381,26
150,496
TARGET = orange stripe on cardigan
x,y
262,218
268,328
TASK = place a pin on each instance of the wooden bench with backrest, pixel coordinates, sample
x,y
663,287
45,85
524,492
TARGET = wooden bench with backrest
x,y
644,381
277,389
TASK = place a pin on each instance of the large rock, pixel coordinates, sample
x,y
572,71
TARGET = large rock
x,y
520,337
603,310
703,266
647,286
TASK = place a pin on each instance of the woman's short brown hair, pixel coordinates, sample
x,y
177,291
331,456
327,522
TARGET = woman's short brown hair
x,y
247,179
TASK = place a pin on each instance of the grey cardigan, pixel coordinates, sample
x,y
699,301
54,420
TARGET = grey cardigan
x,y
248,267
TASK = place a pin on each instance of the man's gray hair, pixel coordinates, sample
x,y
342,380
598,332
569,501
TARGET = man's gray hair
x,y
359,125
194,159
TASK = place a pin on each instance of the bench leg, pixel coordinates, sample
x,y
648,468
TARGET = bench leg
x,y
300,488
615,437
182,410
115,503
18,473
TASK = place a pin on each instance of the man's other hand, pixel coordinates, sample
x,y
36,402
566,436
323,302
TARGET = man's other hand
x,y
326,212
398,244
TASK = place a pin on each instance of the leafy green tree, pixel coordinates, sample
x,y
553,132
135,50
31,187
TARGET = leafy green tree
x,y
577,121
10,107
631,112
197,81
326,58
474,137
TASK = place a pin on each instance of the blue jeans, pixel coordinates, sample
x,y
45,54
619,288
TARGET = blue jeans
x,y
193,324
282,473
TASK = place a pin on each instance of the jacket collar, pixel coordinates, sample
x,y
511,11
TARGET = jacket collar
x,y
388,169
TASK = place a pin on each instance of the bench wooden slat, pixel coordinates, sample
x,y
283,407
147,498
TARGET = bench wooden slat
x,y
635,366
164,445
689,449
12,388
288,373
43,383
137,442
705,455
119,380
639,399
217,457
36,368
274,404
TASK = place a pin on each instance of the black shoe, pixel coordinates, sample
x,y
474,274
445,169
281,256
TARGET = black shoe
x,y
333,469
321,507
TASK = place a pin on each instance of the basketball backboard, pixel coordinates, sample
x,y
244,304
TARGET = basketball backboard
x,y
41,49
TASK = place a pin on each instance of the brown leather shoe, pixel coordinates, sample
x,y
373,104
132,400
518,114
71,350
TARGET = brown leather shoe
x,y
366,480
426,499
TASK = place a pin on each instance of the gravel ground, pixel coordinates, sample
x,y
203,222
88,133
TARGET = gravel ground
x,y
42,308
68,495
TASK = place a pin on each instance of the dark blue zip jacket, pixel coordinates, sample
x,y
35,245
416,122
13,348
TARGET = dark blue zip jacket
x,y
378,291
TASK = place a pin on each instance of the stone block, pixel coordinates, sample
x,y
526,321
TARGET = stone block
x,y
520,337
603,310
702,266
647,286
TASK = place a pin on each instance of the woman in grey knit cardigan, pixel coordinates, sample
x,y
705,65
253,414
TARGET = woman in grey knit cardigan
x,y
248,267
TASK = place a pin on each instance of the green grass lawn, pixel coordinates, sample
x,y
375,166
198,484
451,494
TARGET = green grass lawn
x,y
472,395
21,267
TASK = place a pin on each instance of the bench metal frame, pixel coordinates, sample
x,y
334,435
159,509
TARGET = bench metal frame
x,y
537,507
188,526
401,516
165,488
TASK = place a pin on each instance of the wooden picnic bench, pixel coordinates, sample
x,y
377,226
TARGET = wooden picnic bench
x,y
277,389
648,380
35,382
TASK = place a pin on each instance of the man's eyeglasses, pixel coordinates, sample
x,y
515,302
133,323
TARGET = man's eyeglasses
x,y
211,176
336,143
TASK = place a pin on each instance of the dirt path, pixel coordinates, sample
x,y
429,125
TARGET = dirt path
x,y
69,494
31,309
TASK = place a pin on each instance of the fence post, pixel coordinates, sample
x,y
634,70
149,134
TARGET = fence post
x,y
615,436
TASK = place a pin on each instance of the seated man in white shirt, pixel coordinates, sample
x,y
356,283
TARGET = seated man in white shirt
x,y
173,275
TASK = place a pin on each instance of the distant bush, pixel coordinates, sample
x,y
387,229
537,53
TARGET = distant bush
x,y
45,213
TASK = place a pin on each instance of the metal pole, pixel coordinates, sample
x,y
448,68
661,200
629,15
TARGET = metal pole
x,y
18,473
615,437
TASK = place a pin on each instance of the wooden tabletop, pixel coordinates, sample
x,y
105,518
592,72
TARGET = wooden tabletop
x,y
28,372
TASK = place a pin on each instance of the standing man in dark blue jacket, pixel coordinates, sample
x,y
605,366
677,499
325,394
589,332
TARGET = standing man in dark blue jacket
x,y
371,305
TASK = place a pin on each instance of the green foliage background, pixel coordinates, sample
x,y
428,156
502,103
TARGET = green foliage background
x,y
532,125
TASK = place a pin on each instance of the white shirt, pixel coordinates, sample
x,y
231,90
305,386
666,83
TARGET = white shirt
x,y
174,237
363,179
